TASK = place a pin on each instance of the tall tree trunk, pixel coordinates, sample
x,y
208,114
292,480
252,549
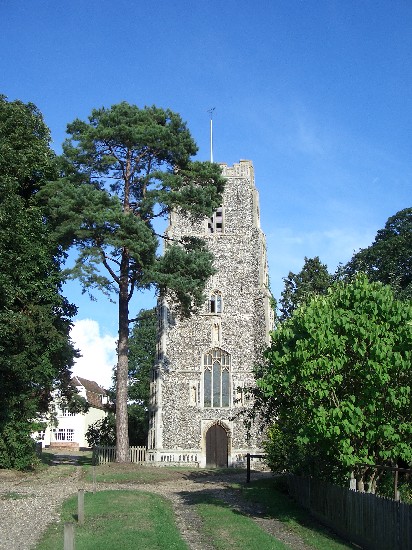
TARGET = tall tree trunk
x,y
122,438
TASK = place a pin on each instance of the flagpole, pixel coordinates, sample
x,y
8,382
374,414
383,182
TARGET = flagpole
x,y
211,132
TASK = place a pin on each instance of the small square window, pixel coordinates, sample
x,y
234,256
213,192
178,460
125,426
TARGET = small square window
x,y
215,223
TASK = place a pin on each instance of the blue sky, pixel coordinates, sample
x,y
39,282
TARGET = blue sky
x,y
318,94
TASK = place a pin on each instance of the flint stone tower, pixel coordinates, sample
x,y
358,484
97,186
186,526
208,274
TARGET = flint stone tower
x,y
206,362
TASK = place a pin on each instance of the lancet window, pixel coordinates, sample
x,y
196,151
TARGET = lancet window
x,y
215,302
216,378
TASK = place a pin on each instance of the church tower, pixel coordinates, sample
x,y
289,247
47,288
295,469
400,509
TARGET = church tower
x,y
206,362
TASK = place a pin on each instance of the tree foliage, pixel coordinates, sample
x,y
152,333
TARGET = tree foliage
x,y
142,357
124,169
338,382
299,287
102,432
389,258
35,351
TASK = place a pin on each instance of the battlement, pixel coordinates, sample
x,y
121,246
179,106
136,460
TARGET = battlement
x,y
244,169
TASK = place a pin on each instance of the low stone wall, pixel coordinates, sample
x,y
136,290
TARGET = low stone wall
x,y
64,445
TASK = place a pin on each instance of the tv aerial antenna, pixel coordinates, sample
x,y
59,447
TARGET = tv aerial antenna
x,y
210,111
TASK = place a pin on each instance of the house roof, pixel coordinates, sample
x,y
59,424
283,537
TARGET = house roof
x,y
88,385
94,392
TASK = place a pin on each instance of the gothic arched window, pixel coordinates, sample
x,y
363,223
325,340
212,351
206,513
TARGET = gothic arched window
x,y
216,378
215,302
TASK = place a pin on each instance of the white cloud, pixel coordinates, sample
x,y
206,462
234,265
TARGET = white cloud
x,y
98,352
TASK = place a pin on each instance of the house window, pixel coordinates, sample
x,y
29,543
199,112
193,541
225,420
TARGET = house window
x,y
215,223
66,412
64,434
216,381
215,302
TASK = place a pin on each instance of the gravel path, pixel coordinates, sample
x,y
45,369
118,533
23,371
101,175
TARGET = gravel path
x,y
29,503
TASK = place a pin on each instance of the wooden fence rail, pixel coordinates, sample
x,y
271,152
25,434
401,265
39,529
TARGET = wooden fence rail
x,y
373,522
104,454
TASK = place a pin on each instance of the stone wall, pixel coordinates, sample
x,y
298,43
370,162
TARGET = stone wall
x,y
179,419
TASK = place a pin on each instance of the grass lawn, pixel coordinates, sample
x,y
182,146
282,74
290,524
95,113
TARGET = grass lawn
x,y
129,473
124,520
271,493
135,473
140,520
226,529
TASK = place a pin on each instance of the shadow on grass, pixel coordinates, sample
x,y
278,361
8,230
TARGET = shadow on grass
x,y
47,458
142,474
267,498
85,460
213,474
58,458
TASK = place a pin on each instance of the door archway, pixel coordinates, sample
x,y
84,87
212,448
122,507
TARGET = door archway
x,y
216,447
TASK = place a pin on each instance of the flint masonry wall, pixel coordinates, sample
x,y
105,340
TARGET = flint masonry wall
x,y
179,418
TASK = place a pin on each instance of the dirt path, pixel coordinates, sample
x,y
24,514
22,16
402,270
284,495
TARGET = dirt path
x,y
185,497
185,492
29,503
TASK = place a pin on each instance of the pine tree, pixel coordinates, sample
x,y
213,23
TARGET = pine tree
x,y
124,169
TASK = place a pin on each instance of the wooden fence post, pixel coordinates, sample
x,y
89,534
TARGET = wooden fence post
x,y
80,507
396,492
69,536
248,468
352,484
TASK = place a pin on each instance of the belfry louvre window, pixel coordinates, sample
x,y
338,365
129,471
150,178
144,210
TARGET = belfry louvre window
x,y
215,223
216,379
215,304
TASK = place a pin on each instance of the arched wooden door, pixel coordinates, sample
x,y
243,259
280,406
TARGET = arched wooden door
x,y
216,447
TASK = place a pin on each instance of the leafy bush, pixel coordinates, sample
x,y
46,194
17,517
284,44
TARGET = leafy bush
x,y
138,424
17,448
102,432
338,382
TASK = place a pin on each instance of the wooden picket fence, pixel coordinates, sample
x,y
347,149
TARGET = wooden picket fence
x,y
373,522
105,454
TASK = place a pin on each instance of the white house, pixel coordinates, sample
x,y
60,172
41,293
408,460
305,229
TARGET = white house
x,y
70,431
